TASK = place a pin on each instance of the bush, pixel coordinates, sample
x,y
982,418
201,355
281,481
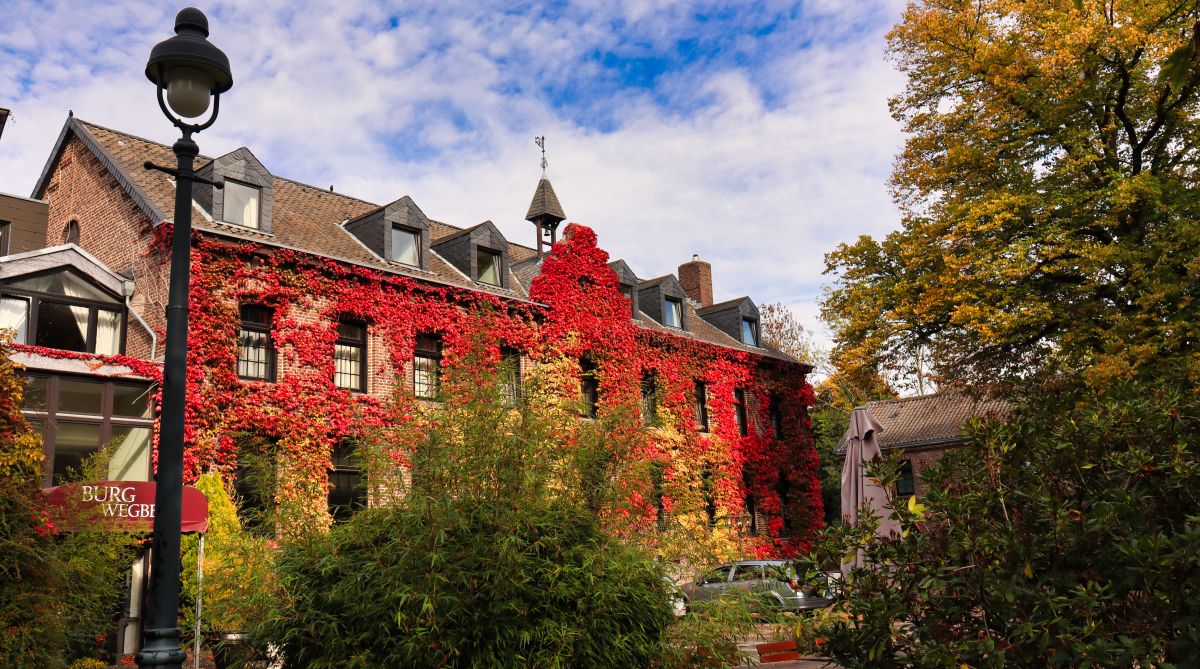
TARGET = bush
x,y
477,583
1066,537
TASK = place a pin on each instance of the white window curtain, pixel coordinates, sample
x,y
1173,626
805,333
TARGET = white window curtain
x,y
14,315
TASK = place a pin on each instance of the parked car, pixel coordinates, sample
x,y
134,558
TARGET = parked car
x,y
775,579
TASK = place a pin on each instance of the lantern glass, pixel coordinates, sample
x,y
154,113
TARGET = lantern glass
x,y
188,91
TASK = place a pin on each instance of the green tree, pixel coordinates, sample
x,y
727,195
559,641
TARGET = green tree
x,y
1066,537
1048,190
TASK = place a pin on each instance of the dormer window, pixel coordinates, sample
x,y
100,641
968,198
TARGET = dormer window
x,y
672,312
627,291
242,204
750,331
487,263
61,310
406,246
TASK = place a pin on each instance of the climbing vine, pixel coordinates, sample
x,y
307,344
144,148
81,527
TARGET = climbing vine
x,y
673,474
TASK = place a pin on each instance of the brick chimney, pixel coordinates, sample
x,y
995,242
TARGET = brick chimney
x,y
696,279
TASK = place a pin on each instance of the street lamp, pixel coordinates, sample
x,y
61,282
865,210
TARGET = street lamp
x,y
189,69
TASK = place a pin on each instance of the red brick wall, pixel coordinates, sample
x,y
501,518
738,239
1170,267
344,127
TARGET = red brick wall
x,y
923,458
111,227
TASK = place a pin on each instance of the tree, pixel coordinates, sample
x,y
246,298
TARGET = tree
x,y
1066,536
838,393
1049,194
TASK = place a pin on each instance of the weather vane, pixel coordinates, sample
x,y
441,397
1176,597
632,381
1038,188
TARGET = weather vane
x,y
540,140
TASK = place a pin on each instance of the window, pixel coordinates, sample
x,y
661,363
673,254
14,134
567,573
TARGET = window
x,y
350,356
776,416
649,401
78,415
347,493
589,388
406,246
5,237
748,572
750,331
487,265
702,406
71,234
62,310
256,351
510,376
672,312
627,291
718,575
241,204
739,411
906,485
427,367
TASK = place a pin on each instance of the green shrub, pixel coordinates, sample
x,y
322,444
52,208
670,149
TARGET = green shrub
x,y
1068,536
477,583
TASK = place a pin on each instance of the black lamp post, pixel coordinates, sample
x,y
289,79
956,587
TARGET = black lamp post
x,y
190,69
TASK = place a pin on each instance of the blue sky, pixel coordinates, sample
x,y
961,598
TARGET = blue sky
x,y
754,134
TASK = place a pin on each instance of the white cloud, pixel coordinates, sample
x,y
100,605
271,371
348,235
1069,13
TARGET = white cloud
x,y
760,152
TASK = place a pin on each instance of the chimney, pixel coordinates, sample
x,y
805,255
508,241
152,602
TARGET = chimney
x,y
696,279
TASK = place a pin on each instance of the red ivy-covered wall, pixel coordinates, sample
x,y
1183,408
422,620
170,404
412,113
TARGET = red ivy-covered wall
x,y
584,315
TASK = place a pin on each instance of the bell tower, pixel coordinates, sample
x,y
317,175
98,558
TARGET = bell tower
x,y
544,211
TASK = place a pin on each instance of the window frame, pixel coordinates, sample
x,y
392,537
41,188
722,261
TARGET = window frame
x,y
701,400
754,332
72,232
497,262
49,417
589,389
740,416
433,353
776,414
510,376
5,237
907,479
259,328
34,299
676,302
360,383
649,403
357,495
225,208
416,234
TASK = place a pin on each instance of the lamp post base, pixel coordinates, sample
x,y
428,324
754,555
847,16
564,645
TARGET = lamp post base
x,y
162,649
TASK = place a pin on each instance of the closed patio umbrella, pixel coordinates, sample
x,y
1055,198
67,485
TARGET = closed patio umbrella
x,y
858,489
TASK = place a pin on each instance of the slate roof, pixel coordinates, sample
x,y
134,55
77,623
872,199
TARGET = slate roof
x,y
721,306
309,219
545,203
929,419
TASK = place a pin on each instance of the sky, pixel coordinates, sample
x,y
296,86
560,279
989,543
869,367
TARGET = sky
x,y
753,134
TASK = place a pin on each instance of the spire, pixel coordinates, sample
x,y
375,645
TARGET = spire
x,y
544,211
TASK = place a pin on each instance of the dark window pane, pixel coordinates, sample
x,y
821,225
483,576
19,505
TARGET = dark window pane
x,y
73,443
80,396
739,411
702,406
256,352
347,493
252,313
906,486
589,388
510,377
649,401
35,393
62,326
352,332
135,401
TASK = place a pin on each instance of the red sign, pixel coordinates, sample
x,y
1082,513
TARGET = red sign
x,y
127,505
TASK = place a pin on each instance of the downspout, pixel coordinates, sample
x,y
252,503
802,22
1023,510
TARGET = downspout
x,y
128,286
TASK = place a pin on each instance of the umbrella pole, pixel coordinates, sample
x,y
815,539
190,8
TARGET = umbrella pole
x,y
199,597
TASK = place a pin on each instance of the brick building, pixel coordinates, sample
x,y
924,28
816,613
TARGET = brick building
x,y
312,309
922,429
